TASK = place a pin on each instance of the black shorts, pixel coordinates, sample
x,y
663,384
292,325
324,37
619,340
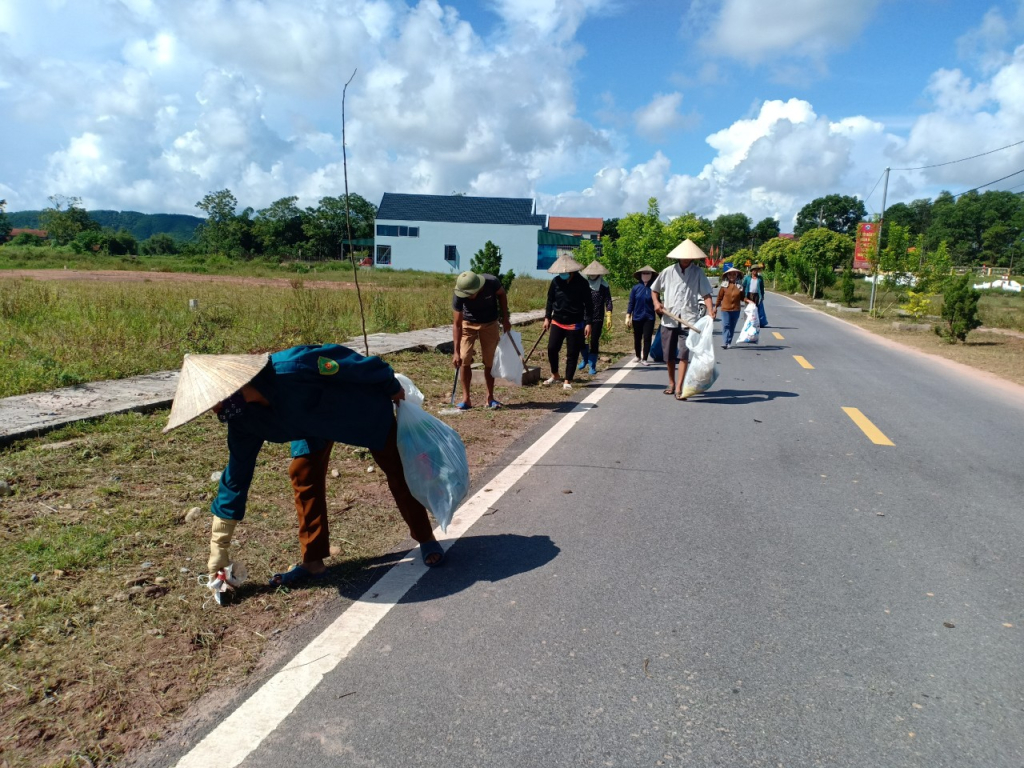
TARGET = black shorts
x,y
671,347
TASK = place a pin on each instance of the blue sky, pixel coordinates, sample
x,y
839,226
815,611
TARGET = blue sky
x,y
590,106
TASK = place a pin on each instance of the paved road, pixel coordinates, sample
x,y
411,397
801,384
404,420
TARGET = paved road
x,y
744,579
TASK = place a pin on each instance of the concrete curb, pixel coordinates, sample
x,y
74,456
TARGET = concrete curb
x,y
24,416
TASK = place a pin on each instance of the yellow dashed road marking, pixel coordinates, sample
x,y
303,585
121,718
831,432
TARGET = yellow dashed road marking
x,y
803,362
778,336
874,434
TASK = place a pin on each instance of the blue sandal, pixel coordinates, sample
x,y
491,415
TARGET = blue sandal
x,y
297,575
428,548
493,405
463,406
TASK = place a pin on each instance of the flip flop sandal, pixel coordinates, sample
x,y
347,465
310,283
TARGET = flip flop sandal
x,y
493,405
668,391
463,406
428,548
680,398
297,575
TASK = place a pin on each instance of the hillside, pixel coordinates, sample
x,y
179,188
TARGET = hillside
x,y
142,225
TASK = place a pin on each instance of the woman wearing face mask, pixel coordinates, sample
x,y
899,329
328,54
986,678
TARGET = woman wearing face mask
x,y
601,312
640,314
568,316
730,299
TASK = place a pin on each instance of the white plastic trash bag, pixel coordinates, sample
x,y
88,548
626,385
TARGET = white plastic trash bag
x,y
433,460
751,332
508,363
412,392
701,373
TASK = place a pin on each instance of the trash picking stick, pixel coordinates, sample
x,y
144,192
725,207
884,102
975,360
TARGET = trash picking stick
x,y
455,383
535,346
679,320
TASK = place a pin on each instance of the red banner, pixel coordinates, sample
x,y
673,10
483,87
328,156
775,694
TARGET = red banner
x,y
867,243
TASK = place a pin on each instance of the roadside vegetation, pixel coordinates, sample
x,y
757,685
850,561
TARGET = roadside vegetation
x,y
55,334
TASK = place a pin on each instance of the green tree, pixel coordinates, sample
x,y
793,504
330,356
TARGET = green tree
x,y
742,256
775,255
895,259
641,241
159,245
688,226
766,229
846,285
839,213
278,227
821,251
610,229
65,218
731,231
324,226
959,310
220,232
488,261
5,223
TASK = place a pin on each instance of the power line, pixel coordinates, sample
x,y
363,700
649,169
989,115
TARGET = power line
x,y
990,183
951,162
874,187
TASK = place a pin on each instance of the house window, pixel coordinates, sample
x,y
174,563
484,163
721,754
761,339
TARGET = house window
x,y
451,253
384,255
393,230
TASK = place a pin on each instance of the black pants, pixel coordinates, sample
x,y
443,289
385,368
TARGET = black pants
x,y
595,339
645,329
575,341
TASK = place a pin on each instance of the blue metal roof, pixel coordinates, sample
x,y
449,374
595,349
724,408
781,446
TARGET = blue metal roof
x,y
458,209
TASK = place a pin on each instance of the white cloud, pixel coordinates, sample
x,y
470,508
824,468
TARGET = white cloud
x,y
755,31
661,116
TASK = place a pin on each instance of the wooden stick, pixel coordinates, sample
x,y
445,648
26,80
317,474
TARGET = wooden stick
x,y
455,383
679,320
535,346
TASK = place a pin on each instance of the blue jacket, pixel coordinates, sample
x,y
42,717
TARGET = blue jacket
x,y
317,394
641,303
760,285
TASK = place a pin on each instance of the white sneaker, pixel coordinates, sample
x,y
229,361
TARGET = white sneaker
x,y
644,362
635,360
566,385
550,381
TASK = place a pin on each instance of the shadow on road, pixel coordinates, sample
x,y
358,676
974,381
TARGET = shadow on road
x,y
473,559
469,560
755,348
739,396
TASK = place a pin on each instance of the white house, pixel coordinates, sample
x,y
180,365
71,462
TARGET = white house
x,y
442,233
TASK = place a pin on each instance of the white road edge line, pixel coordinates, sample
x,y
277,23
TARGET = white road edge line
x,y
257,717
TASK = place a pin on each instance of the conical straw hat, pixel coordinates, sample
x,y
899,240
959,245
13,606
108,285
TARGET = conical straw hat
x,y
687,251
207,379
645,268
595,269
565,263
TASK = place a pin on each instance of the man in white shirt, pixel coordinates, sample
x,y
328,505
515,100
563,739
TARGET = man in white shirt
x,y
678,290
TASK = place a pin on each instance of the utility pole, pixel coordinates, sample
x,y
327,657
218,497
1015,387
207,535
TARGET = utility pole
x,y
878,247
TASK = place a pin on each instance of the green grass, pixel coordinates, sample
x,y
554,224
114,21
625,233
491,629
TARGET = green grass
x,y
55,334
998,309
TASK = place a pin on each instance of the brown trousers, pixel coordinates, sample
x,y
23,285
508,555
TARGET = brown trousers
x,y
309,481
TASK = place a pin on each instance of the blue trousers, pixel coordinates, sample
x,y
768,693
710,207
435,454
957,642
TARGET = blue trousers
x,y
729,320
762,319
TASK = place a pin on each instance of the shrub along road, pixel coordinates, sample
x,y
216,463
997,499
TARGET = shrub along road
x,y
818,562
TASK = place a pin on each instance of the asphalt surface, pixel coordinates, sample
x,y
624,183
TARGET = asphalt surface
x,y
743,579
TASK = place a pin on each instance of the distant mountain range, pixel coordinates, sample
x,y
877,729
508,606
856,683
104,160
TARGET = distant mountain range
x,y
143,225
